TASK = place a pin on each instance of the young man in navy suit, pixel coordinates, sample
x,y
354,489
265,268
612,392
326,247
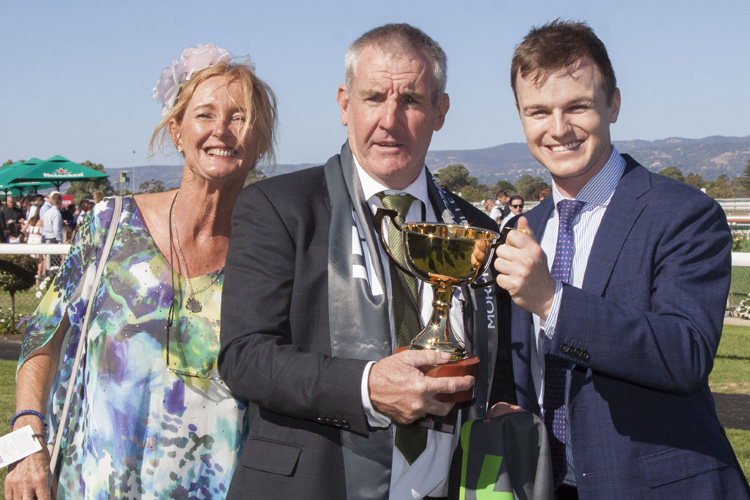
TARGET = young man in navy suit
x,y
619,282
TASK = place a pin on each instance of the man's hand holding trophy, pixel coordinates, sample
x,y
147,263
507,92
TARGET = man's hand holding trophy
x,y
445,256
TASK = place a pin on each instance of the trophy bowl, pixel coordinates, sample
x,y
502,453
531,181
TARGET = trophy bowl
x,y
446,256
447,252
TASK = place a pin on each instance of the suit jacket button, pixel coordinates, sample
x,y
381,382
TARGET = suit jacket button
x,y
565,348
345,424
336,422
585,355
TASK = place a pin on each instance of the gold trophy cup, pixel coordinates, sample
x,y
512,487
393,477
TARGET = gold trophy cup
x,y
446,256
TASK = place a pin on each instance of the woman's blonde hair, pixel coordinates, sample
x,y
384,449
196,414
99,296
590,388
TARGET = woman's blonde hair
x,y
259,106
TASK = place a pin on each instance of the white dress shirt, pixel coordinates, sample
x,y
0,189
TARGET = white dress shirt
x,y
52,220
428,474
43,209
496,212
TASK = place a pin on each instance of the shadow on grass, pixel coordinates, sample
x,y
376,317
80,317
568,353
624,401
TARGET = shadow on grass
x,y
732,356
733,410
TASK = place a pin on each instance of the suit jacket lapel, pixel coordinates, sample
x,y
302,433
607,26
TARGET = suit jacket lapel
x,y
522,325
538,217
622,212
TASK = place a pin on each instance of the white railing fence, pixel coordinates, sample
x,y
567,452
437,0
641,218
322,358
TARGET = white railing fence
x,y
740,259
29,249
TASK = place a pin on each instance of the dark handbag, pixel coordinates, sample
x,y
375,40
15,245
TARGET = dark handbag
x,y
503,458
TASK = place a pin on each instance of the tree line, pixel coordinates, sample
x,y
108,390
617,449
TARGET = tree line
x,y
457,179
722,187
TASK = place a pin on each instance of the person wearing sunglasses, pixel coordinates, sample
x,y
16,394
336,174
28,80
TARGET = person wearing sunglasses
x,y
515,205
150,417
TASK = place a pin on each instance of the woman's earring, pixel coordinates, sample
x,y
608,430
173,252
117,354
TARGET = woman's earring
x,y
179,149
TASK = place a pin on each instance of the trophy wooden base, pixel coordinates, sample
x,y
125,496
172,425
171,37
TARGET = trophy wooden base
x,y
468,366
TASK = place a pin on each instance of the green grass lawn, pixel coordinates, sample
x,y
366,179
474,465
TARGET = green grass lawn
x,y
25,305
741,444
730,375
26,301
740,287
7,406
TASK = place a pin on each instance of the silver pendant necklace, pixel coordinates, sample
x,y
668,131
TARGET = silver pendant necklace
x,y
192,304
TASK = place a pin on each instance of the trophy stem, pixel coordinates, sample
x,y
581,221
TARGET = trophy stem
x,y
438,334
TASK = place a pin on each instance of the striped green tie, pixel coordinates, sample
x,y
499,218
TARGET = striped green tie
x,y
411,439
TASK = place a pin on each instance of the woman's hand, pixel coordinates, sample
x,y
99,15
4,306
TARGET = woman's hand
x,y
29,478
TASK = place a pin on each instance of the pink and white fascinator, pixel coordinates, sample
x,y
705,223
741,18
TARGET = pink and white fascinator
x,y
174,77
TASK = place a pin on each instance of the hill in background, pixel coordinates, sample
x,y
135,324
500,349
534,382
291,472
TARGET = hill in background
x,y
709,157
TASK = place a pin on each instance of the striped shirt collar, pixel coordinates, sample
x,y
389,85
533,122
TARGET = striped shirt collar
x,y
601,187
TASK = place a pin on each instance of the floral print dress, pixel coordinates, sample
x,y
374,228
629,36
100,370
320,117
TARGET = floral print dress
x,y
137,429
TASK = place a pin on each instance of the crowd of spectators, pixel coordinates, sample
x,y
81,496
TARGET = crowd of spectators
x,y
36,219
42,218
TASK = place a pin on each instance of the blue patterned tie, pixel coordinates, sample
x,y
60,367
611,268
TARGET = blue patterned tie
x,y
555,368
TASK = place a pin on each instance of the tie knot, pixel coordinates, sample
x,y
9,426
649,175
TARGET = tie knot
x,y
399,202
568,209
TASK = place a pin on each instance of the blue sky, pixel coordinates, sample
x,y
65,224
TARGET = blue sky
x,y
77,75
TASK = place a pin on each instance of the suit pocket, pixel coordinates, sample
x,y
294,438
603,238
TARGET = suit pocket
x,y
273,457
675,465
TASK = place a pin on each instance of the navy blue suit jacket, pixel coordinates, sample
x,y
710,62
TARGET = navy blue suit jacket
x,y
641,336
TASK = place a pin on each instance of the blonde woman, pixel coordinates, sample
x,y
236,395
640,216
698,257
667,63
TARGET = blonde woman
x,y
151,418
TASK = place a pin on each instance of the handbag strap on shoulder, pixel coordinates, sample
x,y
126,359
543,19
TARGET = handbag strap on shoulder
x,y
116,211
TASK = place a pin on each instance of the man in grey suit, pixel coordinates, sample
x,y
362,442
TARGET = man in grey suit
x,y
618,302
308,324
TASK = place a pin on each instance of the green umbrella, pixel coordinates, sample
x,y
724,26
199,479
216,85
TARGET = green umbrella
x,y
16,168
9,172
57,170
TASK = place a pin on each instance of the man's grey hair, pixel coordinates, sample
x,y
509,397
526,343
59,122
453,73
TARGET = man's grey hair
x,y
400,39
